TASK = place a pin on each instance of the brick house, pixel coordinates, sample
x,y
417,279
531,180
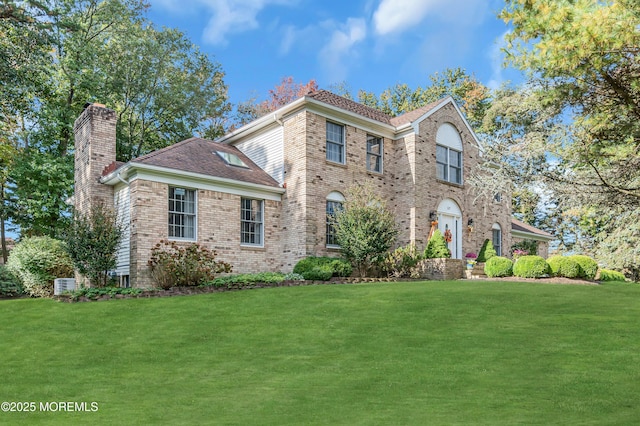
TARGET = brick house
x,y
260,195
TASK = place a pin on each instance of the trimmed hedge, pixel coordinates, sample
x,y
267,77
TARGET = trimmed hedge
x,y
487,251
498,266
563,266
588,266
531,267
322,268
609,275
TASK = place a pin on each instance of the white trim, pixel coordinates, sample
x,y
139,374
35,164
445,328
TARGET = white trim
x,y
195,180
195,204
531,236
262,233
448,100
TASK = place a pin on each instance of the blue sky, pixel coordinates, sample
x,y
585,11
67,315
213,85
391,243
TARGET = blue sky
x,y
370,44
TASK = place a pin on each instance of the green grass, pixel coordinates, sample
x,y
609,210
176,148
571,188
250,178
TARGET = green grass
x,y
394,353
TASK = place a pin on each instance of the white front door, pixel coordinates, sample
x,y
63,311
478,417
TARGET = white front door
x,y
450,224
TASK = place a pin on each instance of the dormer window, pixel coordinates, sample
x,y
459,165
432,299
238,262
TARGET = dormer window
x,y
231,159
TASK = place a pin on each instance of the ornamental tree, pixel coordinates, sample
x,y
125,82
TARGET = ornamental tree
x,y
365,228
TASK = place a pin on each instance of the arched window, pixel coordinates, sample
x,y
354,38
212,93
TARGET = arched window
x,y
497,238
334,204
449,154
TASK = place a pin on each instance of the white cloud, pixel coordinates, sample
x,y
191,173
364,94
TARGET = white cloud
x,y
497,59
226,16
396,16
340,48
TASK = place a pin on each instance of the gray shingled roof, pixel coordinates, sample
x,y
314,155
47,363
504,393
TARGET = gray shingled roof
x,y
198,156
517,225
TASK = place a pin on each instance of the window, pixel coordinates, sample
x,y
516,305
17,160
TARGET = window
x,y
497,197
182,213
335,143
497,239
334,205
232,159
374,154
448,164
251,222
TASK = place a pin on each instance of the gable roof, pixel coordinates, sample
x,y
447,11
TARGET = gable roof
x,y
411,116
519,227
196,155
349,105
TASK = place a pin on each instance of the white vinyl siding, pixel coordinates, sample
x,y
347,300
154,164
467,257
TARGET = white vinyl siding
x,y
122,205
267,151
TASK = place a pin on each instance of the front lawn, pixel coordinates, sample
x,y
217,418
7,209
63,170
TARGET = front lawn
x,y
389,353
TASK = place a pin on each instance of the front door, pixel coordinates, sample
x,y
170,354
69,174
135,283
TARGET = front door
x,y
450,224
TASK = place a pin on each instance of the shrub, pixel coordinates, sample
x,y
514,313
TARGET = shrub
x,y
174,265
498,266
588,266
292,276
337,267
92,242
563,266
531,267
96,292
37,261
610,275
486,251
401,262
437,247
319,273
10,286
261,277
365,228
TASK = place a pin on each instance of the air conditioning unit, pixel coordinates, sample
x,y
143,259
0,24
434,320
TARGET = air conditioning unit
x,y
63,284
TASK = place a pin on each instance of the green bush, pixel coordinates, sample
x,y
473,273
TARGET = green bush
x,y
530,246
531,267
37,261
401,262
487,251
191,265
95,292
314,268
9,285
437,247
610,275
588,266
262,277
563,266
498,266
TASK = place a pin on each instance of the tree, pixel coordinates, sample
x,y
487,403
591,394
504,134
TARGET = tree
x,y
55,55
38,190
471,95
582,103
365,228
7,156
92,241
282,94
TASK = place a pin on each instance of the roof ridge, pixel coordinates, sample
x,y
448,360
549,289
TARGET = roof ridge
x,y
163,150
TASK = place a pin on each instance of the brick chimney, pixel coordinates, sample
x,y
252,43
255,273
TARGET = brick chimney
x,y
95,149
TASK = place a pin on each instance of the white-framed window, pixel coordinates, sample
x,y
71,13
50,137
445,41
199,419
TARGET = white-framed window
x,y
335,143
335,201
449,164
251,222
497,238
182,213
449,154
374,153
